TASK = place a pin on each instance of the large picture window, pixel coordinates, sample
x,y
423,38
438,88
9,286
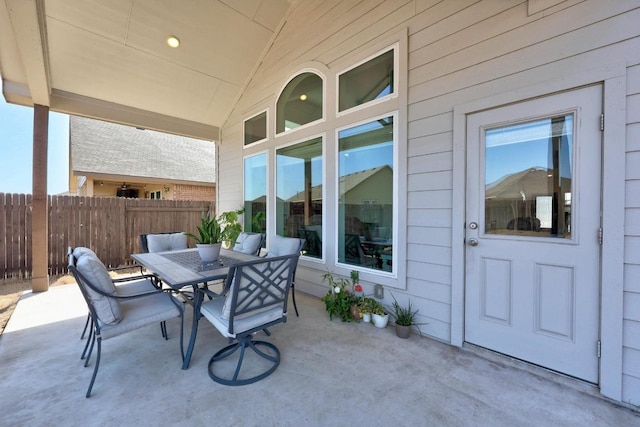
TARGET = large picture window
x,y
255,193
366,194
299,194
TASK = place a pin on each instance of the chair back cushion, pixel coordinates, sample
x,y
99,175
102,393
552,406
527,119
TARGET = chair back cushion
x,y
248,243
166,242
280,246
107,309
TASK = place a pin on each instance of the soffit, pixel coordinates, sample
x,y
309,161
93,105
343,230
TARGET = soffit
x,y
114,53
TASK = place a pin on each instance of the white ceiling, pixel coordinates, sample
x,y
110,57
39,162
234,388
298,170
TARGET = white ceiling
x,y
109,59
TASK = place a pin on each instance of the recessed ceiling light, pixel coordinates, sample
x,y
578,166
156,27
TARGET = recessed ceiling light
x,y
173,41
303,97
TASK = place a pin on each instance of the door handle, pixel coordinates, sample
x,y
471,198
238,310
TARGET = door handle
x,y
472,242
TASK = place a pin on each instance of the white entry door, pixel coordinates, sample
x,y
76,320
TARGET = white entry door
x,y
532,231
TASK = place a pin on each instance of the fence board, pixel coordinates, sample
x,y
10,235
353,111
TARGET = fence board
x,y
109,226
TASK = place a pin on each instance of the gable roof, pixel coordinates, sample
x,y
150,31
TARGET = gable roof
x,y
103,148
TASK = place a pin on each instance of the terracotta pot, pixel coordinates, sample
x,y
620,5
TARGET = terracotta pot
x,y
403,331
355,312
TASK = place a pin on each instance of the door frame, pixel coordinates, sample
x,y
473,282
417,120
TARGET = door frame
x,y
613,79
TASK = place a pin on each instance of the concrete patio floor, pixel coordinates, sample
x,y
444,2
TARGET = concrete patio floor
x,y
331,374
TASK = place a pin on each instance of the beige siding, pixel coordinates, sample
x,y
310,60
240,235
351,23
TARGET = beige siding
x,y
459,52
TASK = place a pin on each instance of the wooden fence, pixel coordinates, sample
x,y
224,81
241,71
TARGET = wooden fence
x,y
108,225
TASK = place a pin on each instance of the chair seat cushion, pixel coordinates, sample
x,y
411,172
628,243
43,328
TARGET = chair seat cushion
x,y
212,310
166,242
134,287
107,309
139,312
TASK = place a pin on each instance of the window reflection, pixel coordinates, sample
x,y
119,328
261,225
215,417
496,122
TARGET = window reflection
x,y
528,178
365,204
366,82
299,194
255,193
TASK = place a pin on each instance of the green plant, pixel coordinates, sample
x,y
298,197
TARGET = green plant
x,y
405,316
225,228
232,228
355,277
339,298
377,308
366,305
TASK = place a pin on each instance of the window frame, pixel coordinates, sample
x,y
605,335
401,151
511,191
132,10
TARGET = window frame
x,y
395,47
395,226
322,119
268,187
244,124
323,136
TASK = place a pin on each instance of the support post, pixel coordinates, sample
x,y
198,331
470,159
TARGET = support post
x,y
40,209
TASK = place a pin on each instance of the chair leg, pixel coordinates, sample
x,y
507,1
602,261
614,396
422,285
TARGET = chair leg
x,y
293,298
88,355
95,370
89,340
163,329
243,344
86,324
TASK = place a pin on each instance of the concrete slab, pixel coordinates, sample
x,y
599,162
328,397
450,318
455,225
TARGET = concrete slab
x,y
331,373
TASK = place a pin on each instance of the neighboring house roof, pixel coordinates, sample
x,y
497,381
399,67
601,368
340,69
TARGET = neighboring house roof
x,y
347,183
530,182
105,148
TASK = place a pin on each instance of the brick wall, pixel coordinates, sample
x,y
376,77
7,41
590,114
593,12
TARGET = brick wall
x,y
193,192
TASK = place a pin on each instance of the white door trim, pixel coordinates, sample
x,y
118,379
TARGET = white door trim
x,y
613,77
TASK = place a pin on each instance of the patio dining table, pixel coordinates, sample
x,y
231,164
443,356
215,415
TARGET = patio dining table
x,y
182,269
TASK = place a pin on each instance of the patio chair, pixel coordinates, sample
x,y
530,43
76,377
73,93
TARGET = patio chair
x,y
280,246
256,300
161,242
355,254
126,285
249,243
115,312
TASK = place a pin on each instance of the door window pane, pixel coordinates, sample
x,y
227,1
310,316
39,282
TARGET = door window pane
x,y
366,82
365,195
300,102
299,194
528,178
255,193
255,128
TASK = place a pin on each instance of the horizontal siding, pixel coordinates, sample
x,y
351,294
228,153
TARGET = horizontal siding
x,y
459,51
631,321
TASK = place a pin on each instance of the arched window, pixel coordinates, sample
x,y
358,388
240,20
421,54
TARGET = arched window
x,y
300,102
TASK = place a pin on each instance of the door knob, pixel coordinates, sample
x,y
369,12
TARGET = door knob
x,y
472,242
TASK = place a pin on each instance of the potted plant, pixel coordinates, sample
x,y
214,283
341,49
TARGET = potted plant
x,y
379,316
213,231
339,299
405,318
366,308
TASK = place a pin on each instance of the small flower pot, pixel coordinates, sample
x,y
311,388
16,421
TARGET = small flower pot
x,y
355,312
366,317
403,331
380,321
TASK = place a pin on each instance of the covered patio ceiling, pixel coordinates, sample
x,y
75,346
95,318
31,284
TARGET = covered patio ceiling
x,y
109,60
